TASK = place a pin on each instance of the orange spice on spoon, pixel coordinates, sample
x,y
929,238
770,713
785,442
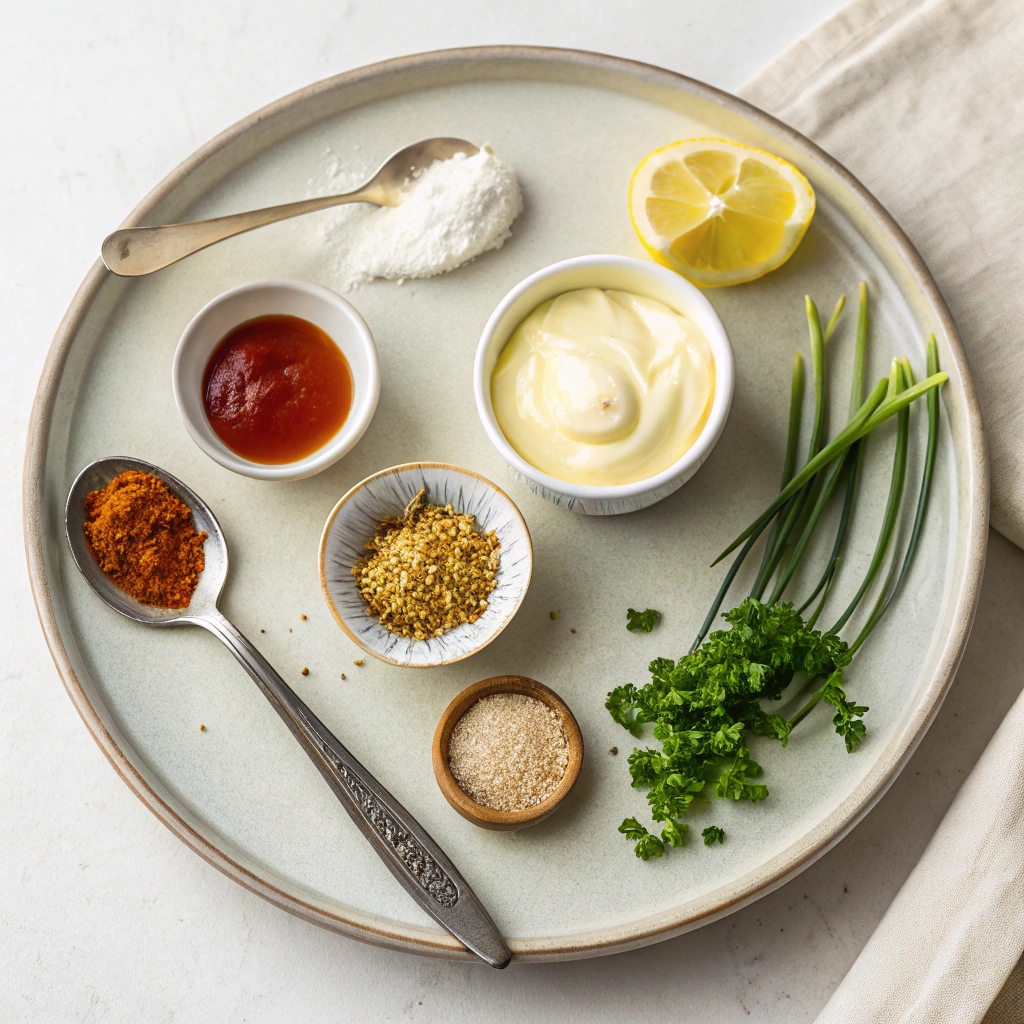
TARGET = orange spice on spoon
x,y
142,537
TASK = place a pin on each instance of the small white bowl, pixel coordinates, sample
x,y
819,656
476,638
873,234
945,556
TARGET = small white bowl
x,y
331,313
354,521
626,274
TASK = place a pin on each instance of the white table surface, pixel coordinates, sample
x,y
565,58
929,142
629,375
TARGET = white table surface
x,y
104,915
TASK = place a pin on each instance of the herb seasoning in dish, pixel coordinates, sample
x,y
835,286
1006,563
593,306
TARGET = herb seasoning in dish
x,y
142,537
508,751
276,389
431,570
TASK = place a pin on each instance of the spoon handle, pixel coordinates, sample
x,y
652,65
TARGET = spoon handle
x,y
411,855
134,252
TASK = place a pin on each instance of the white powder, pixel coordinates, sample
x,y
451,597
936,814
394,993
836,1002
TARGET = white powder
x,y
456,210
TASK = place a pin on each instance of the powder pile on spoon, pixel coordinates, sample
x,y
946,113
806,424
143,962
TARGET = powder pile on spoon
x,y
454,211
142,537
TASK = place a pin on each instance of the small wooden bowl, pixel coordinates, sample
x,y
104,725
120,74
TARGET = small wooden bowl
x,y
488,817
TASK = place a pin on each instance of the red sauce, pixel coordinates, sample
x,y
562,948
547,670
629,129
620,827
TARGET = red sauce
x,y
276,389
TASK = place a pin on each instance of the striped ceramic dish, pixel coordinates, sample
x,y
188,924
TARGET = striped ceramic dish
x,y
354,520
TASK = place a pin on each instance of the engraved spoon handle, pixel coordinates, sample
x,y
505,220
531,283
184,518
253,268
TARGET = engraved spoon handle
x,y
412,856
134,252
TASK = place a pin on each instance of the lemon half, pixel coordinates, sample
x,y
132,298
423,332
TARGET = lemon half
x,y
719,212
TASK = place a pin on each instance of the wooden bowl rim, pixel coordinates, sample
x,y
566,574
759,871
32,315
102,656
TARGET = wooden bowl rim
x,y
480,814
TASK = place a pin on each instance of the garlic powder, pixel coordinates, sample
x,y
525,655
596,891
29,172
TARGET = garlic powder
x,y
456,209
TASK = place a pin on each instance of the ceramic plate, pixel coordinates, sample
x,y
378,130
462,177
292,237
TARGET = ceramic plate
x,y
241,793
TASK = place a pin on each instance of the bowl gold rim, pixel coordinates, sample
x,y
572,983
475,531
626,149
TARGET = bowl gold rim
x,y
391,470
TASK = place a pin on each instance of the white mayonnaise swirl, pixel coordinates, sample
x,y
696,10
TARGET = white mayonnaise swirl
x,y
603,387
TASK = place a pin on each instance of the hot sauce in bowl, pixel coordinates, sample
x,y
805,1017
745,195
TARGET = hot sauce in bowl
x,y
276,389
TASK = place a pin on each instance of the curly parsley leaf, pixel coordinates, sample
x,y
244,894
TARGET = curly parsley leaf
x,y
674,832
642,622
713,834
848,714
647,845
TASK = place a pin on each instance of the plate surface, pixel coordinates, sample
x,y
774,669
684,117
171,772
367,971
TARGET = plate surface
x,y
241,793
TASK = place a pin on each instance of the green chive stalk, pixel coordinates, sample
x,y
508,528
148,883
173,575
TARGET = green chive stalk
x,y
924,494
778,540
899,384
854,459
872,414
796,399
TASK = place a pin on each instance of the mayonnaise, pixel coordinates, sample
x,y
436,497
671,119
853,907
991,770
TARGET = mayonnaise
x,y
603,387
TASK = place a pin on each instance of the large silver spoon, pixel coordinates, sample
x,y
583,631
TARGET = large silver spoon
x,y
133,252
413,857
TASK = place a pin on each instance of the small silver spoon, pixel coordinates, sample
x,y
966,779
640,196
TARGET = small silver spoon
x,y
134,252
413,857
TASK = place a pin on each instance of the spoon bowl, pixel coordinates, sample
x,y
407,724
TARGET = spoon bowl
x,y
134,252
211,581
390,183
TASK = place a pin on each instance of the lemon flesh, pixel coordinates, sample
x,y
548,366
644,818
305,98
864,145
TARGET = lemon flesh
x,y
718,212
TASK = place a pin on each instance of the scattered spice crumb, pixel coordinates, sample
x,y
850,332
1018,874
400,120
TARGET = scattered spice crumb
x,y
342,675
263,631
202,728
358,661
572,630
289,629
554,615
613,751
305,671
303,617
508,751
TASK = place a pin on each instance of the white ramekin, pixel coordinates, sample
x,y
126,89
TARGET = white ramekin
x,y
330,312
626,274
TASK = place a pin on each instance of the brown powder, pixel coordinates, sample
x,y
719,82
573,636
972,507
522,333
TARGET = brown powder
x,y
508,751
141,535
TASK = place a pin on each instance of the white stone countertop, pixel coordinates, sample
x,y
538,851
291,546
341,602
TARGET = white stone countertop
x,y
104,915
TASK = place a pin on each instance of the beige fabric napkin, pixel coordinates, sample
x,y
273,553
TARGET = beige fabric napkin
x,y
953,934
923,100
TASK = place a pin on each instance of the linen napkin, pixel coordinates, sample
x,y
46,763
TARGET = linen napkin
x,y
923,100
955,931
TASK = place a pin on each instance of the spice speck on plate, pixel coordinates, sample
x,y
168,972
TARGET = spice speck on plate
x,y
430,570
305,671
142,537
508,751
